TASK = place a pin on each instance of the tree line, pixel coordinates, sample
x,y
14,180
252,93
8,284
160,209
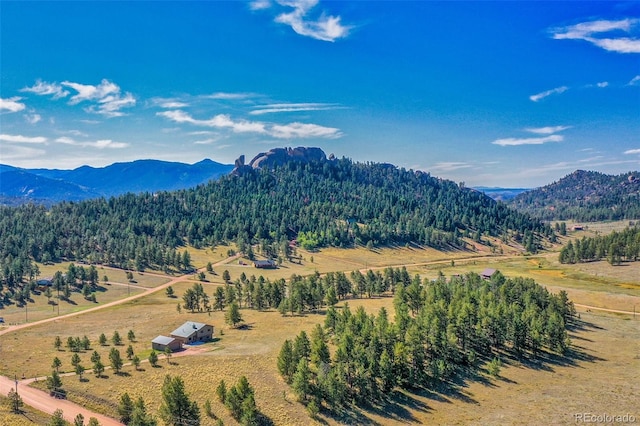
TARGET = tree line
x,y
615,248
440,328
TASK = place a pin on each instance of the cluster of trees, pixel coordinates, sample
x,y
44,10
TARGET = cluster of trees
x,y
19,282
134,413
330,203
615,247
240,400
584,196
440,328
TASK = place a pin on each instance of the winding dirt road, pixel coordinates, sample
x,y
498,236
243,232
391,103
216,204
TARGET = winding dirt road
x,y
43,401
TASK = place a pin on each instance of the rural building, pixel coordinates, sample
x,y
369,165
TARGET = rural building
x,y
578,228
43,283
161,343
265,264
191,332
487,273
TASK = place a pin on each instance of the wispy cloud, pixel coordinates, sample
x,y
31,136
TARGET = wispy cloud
x,y
528,141
293,107
260,4
542,95
12,104
22,139
449,166
632,151
302,130
229,96
635,81
44,88
224,121
32,118
207,141
546,130
99,144
599,33
324,27
107,95
19,152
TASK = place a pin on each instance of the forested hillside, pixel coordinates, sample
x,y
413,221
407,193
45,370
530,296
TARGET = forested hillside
x,y
323,203
584,196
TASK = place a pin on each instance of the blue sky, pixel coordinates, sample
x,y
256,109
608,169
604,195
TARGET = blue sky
x,y
513,94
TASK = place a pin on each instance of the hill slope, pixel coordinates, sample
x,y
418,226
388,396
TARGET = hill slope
x,y
319,203
584,196
47,186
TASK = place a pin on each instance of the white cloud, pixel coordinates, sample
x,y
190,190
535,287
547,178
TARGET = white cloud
x,y
44,88
88,92
632,151
302,130
602,84
174,104
546,130
293,107
591,32
22,139
99,144
208,141
221,121
18,152
542,95
32,118
528,141
635,81
260,4
107,95
325,28
224,121
12,104
229,96
449,166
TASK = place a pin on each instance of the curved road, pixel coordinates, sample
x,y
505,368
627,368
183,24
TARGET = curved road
x,y
43,401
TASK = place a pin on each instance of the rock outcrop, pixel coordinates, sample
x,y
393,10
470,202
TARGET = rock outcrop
x,y
278,157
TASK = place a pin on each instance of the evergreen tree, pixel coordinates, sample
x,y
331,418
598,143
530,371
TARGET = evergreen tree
x,y
177,409
125,408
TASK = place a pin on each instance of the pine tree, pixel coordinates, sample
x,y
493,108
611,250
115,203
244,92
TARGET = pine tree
x,y
125,408
233,316
177,409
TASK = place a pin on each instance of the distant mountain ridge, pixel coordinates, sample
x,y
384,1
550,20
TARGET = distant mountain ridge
x,y
500,194
584,196
48,186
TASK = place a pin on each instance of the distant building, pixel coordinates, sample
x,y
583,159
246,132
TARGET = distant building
x,y
191,332
578,228
487,273
265,264
43,283
161,343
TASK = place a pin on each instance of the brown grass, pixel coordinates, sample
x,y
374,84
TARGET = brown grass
x,y
29,416
603,379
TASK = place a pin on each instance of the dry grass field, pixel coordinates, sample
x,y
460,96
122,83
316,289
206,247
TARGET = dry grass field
x,y
29,416
602,375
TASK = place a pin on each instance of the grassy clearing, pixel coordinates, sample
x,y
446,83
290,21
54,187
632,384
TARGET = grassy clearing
x,y
29,416
40,308
604,378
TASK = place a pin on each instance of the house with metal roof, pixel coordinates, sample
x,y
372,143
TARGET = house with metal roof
x,y
161,343
191,332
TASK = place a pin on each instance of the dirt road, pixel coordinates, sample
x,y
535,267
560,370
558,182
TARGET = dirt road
x,y
42,401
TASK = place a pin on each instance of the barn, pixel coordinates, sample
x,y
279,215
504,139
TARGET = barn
x,y
161,343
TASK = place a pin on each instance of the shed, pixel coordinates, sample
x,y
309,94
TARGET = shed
x,y
191,332
265,264
487,273
161,343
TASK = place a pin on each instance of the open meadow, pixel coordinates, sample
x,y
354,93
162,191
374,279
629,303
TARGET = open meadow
x,y
601,373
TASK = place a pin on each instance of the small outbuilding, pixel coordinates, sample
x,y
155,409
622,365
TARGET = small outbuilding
x,y
487,273
191,332
161,343
265,264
